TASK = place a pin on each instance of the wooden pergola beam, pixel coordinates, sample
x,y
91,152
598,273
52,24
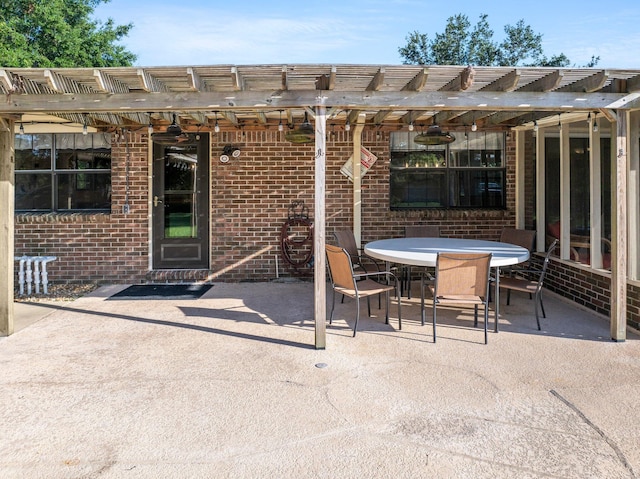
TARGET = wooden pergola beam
x,y
245,100
508,82
544,84
418,82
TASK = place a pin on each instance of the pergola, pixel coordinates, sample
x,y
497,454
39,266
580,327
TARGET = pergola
x,y
385,97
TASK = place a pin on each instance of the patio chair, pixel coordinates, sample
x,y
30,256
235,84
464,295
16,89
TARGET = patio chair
x,y
529,281
418,231
347,283
346,239
461,279
520,237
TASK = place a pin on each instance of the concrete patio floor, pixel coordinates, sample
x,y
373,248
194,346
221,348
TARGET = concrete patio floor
x,y
231,386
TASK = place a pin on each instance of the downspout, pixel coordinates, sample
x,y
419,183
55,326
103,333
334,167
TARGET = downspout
x,y
520,177
357,179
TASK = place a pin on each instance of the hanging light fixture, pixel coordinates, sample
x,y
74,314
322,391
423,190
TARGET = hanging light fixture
x,y
216,127
280,125
21,128
411,126
305,133
434,136
347,126
474,127
535,125
172,135
595,122
84,125
150,125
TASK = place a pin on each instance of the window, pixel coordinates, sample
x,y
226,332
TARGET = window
x,y
468,173
579,196
63,172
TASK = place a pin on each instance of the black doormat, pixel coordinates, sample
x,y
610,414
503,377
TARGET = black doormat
x,y
163,291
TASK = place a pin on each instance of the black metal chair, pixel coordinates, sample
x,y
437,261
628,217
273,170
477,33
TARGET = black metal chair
x,y
461,279
347,283
529,281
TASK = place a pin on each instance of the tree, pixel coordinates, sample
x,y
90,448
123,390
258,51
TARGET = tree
x,y
59,33
459,45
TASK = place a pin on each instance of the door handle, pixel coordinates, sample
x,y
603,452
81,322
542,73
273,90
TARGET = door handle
x,y
156,200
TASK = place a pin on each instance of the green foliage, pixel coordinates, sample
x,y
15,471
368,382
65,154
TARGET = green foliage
x,y
461,45
59,33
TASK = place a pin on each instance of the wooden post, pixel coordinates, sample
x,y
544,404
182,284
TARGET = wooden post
x,y
7,206
320,262
619,232
357,179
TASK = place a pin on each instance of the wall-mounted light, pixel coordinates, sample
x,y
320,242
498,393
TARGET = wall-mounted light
x,y
231,150
347,126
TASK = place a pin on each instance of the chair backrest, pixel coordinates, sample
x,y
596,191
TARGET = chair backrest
x,y
340,268
545,263
462,274
346,239
520,237
422,231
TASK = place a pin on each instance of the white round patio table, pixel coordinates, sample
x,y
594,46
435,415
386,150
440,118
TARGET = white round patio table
x,y
424,252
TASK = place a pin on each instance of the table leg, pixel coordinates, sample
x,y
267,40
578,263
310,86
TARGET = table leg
x,y
497,306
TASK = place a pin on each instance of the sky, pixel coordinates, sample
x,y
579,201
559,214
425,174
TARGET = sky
x,y
243,32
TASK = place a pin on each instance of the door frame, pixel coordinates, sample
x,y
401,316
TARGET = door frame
x,y
203,181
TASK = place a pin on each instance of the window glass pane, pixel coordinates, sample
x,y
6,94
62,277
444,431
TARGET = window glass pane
x,y
552,186
477,188
65,152
77,152
494,141
418,189
579,186
605,189
477,140
33,152
33,191
419,159
459,151
400,141
78,191
101,141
